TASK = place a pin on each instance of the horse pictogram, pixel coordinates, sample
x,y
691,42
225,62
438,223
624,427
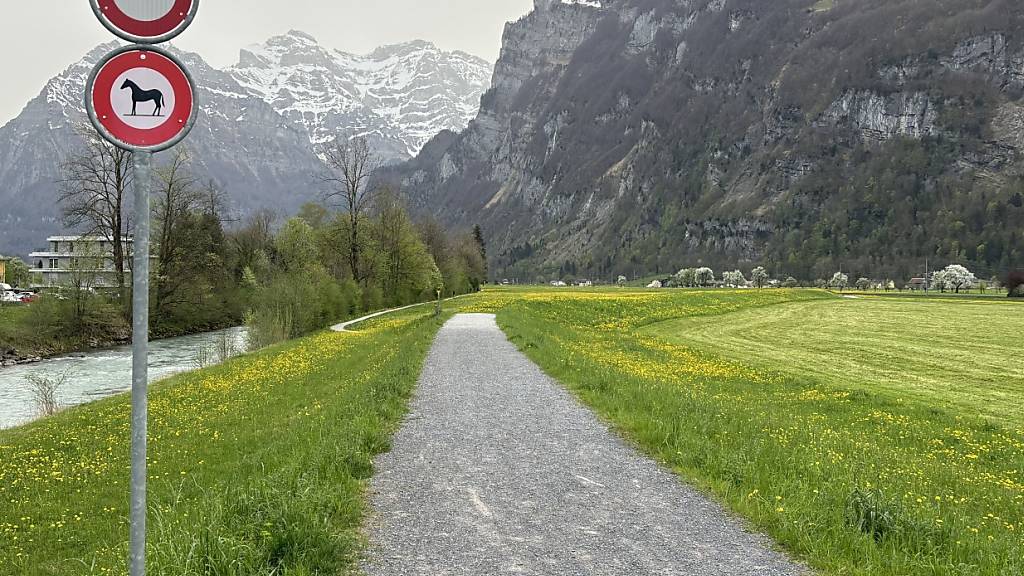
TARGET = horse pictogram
x,y
140,95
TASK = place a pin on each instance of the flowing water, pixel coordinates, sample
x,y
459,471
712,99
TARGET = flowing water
x,y
101,373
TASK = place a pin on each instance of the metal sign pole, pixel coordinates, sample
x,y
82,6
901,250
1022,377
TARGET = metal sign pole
x,y
143,162
123,18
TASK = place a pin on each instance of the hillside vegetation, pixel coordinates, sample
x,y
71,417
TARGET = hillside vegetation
x,y
800,135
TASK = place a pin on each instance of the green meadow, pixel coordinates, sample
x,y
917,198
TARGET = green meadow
x,y
866,437
958,355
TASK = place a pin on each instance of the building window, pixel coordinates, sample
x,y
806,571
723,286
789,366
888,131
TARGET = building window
x,y
54,246
54,264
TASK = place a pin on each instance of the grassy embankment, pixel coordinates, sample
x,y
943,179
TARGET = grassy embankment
x,y
868,437
257,466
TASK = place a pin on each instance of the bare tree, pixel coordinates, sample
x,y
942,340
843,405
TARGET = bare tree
x,y
45,392
94,189
351,164
177,197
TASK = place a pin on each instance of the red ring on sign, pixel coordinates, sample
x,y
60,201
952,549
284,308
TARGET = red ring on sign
x,y
176,123
146,28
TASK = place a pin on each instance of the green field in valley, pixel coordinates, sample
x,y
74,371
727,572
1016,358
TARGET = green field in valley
x,y
959,355
816,432
870,436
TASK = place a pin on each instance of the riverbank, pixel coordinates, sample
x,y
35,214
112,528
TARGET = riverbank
x,y
22,343
88,376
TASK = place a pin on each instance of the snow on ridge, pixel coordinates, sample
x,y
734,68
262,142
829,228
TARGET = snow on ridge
x,y
337,94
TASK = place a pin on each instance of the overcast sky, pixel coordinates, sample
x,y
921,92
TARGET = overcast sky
x,y
40,38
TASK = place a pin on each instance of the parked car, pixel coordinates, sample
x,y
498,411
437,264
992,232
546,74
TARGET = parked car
x,y
28,297
10,297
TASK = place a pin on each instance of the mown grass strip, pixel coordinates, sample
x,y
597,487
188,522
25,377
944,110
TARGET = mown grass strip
x,y
958,355
257,467
852,481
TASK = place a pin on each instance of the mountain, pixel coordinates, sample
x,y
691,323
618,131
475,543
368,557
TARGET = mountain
x,y
261,123
637,136
399,97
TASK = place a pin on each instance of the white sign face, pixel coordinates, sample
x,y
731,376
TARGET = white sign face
x,y
142,98
145,10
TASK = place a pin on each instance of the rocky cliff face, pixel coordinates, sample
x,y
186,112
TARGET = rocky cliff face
x,y
640,135
261,123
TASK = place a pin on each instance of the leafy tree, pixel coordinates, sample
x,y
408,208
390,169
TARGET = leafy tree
x,y
401,263
704,277
839,281
19,274
478,237
297,247
759,276
622,280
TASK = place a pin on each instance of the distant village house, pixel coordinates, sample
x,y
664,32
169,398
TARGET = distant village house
x,y
69,259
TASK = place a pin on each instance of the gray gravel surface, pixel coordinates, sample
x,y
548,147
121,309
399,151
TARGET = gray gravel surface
x,y
498,470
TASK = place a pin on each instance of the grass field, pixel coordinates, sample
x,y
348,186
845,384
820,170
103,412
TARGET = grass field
x,y
257,467
820,444
962,356
863,442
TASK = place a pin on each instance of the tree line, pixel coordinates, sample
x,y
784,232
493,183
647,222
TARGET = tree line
x,y
357,250
954,278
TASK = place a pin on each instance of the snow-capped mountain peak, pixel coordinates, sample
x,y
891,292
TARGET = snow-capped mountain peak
x,y
398,96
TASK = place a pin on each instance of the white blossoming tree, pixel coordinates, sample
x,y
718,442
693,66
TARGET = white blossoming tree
x,y
759,276
735,279
957,278
839,281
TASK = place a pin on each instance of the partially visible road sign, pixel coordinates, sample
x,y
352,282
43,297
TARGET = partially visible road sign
x,y
146,21
141,98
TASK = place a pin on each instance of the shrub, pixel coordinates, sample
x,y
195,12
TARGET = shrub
x,y
295,304
869,512
45,392
1015,284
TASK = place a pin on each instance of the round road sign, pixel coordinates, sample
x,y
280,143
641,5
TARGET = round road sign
x,y
141,98
146,21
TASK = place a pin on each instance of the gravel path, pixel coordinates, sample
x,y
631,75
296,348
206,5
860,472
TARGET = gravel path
x,y
498,470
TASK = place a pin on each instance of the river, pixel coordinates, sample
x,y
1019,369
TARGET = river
x,y
101,373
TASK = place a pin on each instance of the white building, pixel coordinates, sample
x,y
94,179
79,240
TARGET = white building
x,y
84,260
